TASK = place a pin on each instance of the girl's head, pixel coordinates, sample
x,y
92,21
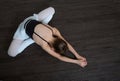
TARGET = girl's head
x,y
59,45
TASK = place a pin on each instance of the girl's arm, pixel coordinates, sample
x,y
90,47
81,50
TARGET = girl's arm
x,y
63,58
70,47
58,56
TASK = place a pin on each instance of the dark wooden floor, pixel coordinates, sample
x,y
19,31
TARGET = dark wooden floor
x,y
91,26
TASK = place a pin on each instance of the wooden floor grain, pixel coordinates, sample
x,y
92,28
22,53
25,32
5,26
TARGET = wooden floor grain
x,y
91,26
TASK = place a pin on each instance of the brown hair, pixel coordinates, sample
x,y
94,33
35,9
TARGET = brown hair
x,y
59,45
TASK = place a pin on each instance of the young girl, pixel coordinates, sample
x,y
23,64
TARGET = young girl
x,y
35,29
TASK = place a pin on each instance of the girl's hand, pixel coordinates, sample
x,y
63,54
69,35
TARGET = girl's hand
x,y
81,58
82,63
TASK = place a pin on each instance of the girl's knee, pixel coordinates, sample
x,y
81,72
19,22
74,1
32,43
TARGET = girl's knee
x,y
51,10
12,53
46,15
14,46
47,11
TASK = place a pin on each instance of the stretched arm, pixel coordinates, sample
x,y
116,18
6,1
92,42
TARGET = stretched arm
x,y
70,47
58,56
63,58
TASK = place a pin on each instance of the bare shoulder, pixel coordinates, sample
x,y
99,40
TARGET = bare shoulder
x,y
56,31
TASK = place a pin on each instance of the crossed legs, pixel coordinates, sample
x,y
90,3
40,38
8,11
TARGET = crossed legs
x,y
21,40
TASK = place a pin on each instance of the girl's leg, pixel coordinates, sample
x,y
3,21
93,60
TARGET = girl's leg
x,y
14,46
45,15
25,44
20,40
17,46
